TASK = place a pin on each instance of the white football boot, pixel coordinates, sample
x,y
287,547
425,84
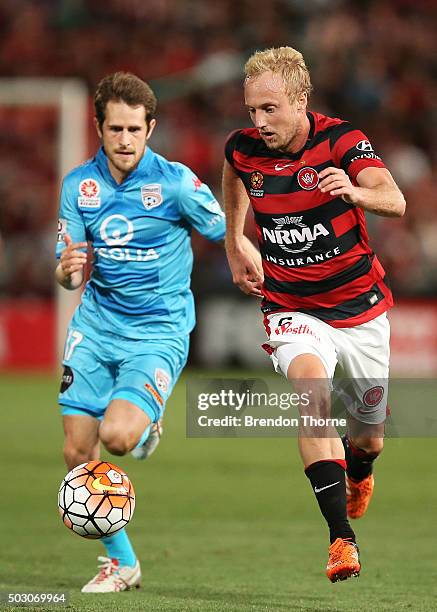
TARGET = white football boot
x,y
145,450
113,578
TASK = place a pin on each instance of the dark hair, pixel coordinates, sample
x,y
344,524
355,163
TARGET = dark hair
x,y
124,87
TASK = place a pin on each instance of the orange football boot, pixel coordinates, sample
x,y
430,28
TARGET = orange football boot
x,y
344,560
358,496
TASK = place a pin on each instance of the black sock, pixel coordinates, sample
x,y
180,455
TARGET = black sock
x,y
328,482
359,464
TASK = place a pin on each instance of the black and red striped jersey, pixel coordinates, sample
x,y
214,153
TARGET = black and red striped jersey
x,y
315,247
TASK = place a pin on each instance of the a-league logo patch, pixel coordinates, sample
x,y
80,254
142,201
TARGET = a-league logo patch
x,y
256,182
308,178
151,195
89,190
162,380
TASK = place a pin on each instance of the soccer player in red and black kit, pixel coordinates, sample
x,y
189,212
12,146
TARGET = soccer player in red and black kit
x,y
309,179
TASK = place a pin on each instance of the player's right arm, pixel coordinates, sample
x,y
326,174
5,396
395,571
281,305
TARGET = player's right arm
x,y
245,264
70,269
71,244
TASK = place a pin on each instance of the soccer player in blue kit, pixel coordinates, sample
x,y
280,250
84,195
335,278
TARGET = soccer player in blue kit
x,y
128,339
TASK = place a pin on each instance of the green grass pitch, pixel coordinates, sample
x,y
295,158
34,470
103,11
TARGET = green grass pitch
x,y
220,524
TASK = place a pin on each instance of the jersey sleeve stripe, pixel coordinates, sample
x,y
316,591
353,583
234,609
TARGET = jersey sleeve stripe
x,y
356,166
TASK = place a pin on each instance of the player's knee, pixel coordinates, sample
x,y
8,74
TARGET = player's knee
x,y
115,441
370,445
315,396
320,405
74,456
315,401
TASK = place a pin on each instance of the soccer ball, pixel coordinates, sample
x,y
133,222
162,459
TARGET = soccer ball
x,y
96,499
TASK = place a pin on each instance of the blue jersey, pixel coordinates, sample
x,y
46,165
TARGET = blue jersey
x,y
140,233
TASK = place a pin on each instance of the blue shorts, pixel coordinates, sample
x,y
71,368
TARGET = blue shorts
x,y
100,366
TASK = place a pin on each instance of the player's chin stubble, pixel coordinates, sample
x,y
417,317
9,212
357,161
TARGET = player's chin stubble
x,y
282,147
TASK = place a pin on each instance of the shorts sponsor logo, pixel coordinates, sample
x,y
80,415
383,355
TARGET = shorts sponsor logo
x,y
372,397
162,380
308,178
89,190
158,399
256,182
364,145
284,320
288,329
62,229
299,235
67,379
151,195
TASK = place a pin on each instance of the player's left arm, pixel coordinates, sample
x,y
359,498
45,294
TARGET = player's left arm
x,y
376,190
358,174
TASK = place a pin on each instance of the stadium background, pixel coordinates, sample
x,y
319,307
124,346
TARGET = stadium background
x,y
372,62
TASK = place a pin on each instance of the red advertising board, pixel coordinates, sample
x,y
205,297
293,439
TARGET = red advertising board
x,y
414,338
27,335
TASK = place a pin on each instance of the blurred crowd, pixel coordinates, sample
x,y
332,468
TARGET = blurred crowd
x,y
372,62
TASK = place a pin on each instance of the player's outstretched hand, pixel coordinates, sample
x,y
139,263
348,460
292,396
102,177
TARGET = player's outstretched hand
x,y
72,260
337,183
245,264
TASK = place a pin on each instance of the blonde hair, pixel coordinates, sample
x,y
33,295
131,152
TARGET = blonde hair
x,y
285,61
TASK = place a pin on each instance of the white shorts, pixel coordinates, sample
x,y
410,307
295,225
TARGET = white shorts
x,y
362,352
